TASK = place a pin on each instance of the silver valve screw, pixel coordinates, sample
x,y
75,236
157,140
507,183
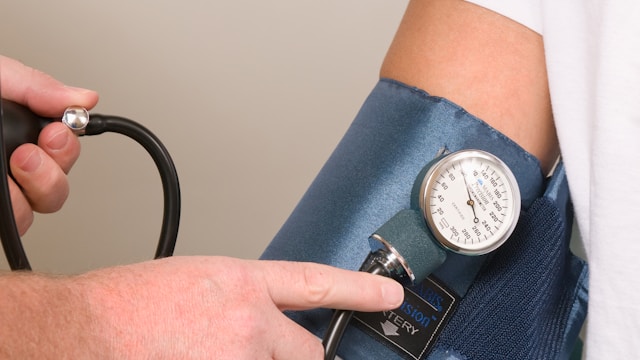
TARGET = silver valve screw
x,y
76,118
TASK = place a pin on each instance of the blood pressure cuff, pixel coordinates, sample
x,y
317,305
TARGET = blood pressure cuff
x,y
527,300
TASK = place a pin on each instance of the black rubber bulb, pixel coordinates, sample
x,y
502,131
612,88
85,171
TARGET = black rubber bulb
x,y
20,125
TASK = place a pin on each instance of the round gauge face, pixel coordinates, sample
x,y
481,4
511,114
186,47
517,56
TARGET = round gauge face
x,y
471,201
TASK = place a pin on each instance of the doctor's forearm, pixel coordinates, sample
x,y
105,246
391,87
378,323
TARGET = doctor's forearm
x,y
488,64
44,317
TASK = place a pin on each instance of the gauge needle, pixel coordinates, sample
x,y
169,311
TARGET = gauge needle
x,y
470,202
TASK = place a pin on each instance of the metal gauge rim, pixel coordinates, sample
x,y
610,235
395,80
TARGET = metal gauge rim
x,y
512,216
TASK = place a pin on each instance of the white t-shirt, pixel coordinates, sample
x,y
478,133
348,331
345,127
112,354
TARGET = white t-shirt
x,y
592,51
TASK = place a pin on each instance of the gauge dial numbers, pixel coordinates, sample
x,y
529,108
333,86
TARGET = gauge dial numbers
x,y
471,201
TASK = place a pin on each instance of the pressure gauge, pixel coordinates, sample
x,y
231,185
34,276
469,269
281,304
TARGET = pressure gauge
x,y
471,201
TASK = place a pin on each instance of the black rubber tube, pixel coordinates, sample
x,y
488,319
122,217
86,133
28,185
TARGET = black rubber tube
x,y
171,188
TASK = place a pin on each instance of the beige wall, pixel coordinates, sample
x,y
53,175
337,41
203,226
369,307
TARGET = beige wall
x,y
249,97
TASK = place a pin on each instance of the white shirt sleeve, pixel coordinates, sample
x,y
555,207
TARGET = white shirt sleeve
x,y
527,13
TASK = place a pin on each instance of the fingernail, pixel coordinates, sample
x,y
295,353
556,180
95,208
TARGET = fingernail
x,y
59,140
32,162
78,89
393,293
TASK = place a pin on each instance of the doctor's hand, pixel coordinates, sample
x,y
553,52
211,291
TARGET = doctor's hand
x,y
221,308
41,170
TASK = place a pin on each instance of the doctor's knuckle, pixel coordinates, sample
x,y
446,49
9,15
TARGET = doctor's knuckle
x,y
318,286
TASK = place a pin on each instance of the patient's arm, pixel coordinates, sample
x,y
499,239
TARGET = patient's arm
x,y
484,62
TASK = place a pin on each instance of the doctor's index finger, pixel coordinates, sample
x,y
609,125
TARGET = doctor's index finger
x,y
42,93
301,285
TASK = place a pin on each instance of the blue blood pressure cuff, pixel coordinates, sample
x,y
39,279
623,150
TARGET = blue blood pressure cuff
x,y
526,300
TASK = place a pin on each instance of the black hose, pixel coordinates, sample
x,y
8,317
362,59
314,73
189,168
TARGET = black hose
x,y
11,244
171,188
9,235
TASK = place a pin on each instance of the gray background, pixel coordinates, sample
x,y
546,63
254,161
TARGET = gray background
x,y
250,97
